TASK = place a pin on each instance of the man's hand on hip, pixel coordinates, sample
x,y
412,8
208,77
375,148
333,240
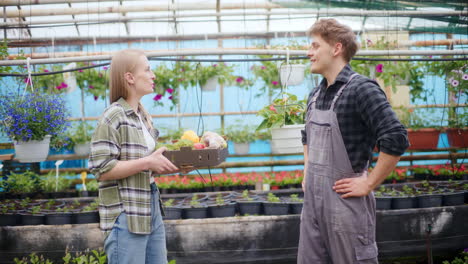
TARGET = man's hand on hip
x,y
353,187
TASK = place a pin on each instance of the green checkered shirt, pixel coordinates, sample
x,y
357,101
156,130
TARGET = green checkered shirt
x,y
119,136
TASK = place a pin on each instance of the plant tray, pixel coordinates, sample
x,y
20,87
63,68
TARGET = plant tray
x,y
187,156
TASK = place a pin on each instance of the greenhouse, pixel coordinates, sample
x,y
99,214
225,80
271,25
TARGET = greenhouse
x,y
228,131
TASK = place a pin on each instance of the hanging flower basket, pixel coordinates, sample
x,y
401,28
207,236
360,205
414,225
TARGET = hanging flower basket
x,y
287,139
292,74
241,148
458,137
424,138
210,84
32,150
82,149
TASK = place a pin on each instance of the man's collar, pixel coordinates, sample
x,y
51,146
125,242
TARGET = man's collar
x,y
344,74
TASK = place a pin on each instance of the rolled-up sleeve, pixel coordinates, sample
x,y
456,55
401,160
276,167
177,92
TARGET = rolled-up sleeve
x,y
391,135
105,150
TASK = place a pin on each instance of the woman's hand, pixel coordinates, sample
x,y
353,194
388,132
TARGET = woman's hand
x,y
160,164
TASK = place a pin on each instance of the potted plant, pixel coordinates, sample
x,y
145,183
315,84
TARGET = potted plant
x,y
285,118
422,131
20,185
61,216
209,76
296,203
171,211
274,206
403,199
32,216
30,120
382,199
221,208
457,130
241,136
93,81
54,187
80,135
196,209
248,205
8,215
453,195
87,214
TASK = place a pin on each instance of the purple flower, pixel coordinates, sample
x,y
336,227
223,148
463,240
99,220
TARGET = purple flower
x,y
379,68
215,65
455,83
157,97
170,90
465,77
170,97
80,70
239,79
105,68
27,80
46,70
275,83
91,87
263,67
95,98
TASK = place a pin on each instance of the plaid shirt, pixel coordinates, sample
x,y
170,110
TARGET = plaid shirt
x,y
119,136
364,116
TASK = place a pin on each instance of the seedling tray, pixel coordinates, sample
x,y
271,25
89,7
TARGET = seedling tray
x,y
187,156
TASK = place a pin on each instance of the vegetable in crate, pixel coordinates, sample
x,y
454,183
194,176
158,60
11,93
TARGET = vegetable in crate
x,y
213,140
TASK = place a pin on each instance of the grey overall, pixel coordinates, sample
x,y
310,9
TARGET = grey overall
x,y
333,229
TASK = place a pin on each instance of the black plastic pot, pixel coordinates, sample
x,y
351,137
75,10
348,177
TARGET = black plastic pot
x,y
9,219
58,219
275,208
195,212
225,210
404,202
383,203
85,217
172,213
249,208
296,207
455,198
29,219
429,200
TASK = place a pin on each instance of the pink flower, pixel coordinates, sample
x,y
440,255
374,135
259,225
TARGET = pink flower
x,y
91,87
170,90
272,108
170,97
80,70
105,68
465,77
46,70
239,79
369,42
275,83
182,69
455,83
215,65
379,68
95,98
157,97
64,85
263,67
27,80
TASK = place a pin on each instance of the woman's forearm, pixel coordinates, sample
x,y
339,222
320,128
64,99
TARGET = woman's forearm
x,y
125,168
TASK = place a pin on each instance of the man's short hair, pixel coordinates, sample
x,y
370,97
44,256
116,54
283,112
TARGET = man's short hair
x,y
333,32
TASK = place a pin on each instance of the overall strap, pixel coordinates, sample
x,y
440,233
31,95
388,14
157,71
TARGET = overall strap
x,y
338,94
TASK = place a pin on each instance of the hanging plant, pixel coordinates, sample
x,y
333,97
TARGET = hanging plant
x,y
93,81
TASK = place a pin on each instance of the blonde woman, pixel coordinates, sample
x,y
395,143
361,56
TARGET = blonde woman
x,y
122,159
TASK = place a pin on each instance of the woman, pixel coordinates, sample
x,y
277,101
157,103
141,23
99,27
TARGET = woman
x,y
122,159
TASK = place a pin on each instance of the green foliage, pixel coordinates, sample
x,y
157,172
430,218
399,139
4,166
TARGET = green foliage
x,y
222,71
462,259
35,210
51,83
93,81
86,257
92,185
176,146
272,198
194,202
169,202
81,132
417,118
240,133
48,182
169,134
91,207
245,195
33,259
20,182
219,199
283,111
295,198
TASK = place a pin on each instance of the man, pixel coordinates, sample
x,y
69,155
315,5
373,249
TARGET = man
x,y
347,115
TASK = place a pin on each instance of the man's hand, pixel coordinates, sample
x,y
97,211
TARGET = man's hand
x,y
353,187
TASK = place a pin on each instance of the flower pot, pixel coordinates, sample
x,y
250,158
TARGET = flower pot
x,y
58,219
85,217
275,208
30,219
226,210
195,212
292,74
404,202
249,208
383,203
33,150
458,137
210,84
9,219
296,207
287,139
455,198
82,149
172,213
430,200
424,138
241,148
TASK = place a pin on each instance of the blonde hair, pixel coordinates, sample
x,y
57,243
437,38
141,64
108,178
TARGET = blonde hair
x,y
333,32
122,62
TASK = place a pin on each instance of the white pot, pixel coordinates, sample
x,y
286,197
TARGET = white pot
x,y
287,139
82,149
292,74
241,148
33,150
210,84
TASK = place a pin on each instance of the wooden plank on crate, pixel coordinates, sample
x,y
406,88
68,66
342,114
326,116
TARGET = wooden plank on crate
x,y
6,156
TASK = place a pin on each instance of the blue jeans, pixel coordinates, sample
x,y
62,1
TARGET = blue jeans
x,y
123,247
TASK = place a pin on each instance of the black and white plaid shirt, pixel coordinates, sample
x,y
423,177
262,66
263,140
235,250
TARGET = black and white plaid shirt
x,y
365,118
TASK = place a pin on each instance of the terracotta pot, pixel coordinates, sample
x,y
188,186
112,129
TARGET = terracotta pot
x,y
424,138
458,137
